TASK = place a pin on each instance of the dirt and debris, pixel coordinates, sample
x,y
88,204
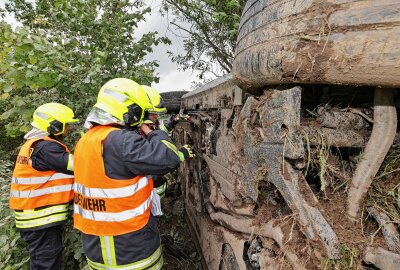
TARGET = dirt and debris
x,y
295,183
179,250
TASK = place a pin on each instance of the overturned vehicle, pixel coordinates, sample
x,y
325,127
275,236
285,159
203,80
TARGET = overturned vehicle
x,y
290,144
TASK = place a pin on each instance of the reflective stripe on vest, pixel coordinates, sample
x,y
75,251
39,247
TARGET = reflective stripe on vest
x,y
113,217
39,180
40,192
154,262
37,218
31,188
111,192
102,205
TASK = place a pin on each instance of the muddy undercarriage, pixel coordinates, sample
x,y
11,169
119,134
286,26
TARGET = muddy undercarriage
x,y
280,176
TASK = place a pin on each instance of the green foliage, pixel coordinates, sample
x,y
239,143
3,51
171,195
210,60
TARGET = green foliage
x,y
73,255
210,28
65,51
13,250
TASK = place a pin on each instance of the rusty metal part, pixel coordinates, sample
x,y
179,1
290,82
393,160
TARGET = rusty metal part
x,y
226,179
212,237
246,226
265,133
381,258
389,230
218,200
382,137
280,110
341,120
313,223
275,232
335,137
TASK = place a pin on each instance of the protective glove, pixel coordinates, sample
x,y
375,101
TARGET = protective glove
x,y
179,118
186,153
182,117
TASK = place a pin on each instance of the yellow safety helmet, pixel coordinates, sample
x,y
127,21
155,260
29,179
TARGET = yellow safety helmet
x,y
158,104
124,99
52,117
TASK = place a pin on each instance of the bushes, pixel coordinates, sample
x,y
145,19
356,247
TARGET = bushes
x,y
13,250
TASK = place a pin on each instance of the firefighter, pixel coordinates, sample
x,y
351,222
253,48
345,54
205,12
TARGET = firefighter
x,y
151,119
113,195
41,186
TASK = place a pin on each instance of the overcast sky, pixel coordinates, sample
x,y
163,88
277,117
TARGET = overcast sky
x,y
171,79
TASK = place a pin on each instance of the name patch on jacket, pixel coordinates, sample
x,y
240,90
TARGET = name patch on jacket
x,y
89,203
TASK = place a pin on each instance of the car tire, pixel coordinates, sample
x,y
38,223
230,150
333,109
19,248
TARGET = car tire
x,y
353,42
173,100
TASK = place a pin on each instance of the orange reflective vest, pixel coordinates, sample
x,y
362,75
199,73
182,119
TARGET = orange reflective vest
x,y
31,189
104,206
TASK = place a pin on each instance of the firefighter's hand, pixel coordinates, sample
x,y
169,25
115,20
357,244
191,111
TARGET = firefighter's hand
x,y
149,123
180,118
186,153
145,129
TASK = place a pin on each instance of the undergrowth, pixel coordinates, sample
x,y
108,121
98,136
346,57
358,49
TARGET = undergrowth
x,y
384,195
349,260
178,246
385,191
13,250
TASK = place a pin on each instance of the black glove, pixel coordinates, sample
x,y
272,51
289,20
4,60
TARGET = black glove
x,y
185,152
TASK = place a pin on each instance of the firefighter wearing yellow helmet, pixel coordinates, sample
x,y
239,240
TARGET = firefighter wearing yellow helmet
x,y
157,109
41,186
113,202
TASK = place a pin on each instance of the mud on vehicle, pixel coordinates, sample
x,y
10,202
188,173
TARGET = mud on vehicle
x,y
288,144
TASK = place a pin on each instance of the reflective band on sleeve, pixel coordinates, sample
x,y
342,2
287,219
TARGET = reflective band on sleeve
x,y
41,221
158,265
40,180
163,128
155,261
29,214
40,192
161,189
181,156
171,146
111,192
70,165
111,217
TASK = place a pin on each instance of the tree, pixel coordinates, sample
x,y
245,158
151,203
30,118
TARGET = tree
x,y
66,50
209,30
